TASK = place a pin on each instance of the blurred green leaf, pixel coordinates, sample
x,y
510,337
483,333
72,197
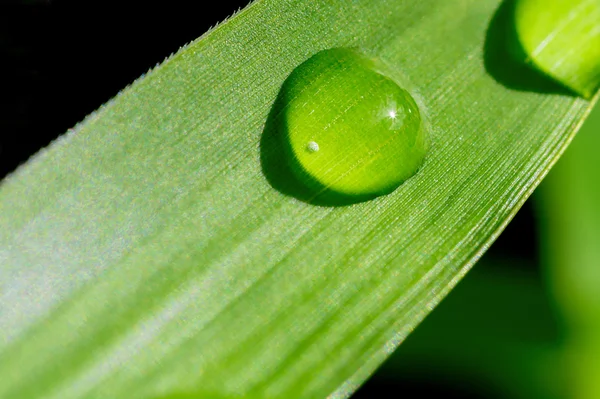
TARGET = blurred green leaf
x,y
496,333
144,254
570,215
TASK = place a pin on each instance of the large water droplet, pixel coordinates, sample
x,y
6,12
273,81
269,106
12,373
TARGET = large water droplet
x,y
347,127
562,39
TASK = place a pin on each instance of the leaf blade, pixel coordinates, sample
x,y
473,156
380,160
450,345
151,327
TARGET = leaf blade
x,y
149,250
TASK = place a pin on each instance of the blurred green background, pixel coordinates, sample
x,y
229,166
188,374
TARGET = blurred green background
x,y
524,323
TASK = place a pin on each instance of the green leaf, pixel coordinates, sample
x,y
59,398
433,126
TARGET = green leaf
x,y
145,254
562,38
571,219
484,335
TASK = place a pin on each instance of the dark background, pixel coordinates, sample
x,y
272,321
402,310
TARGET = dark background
x,y
61,60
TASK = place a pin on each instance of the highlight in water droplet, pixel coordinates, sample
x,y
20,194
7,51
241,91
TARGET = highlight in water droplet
x,y
348,128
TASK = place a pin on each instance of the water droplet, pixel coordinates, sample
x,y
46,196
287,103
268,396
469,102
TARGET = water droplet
x,y
562,39
370,131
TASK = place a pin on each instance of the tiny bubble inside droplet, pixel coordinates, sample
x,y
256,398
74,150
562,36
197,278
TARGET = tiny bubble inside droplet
x,y
312,146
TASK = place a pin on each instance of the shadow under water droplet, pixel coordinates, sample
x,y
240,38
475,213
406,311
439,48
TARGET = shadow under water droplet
x,y
505,58
277,167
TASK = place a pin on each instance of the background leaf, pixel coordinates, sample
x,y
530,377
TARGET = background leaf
x,y
144,254
570,218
